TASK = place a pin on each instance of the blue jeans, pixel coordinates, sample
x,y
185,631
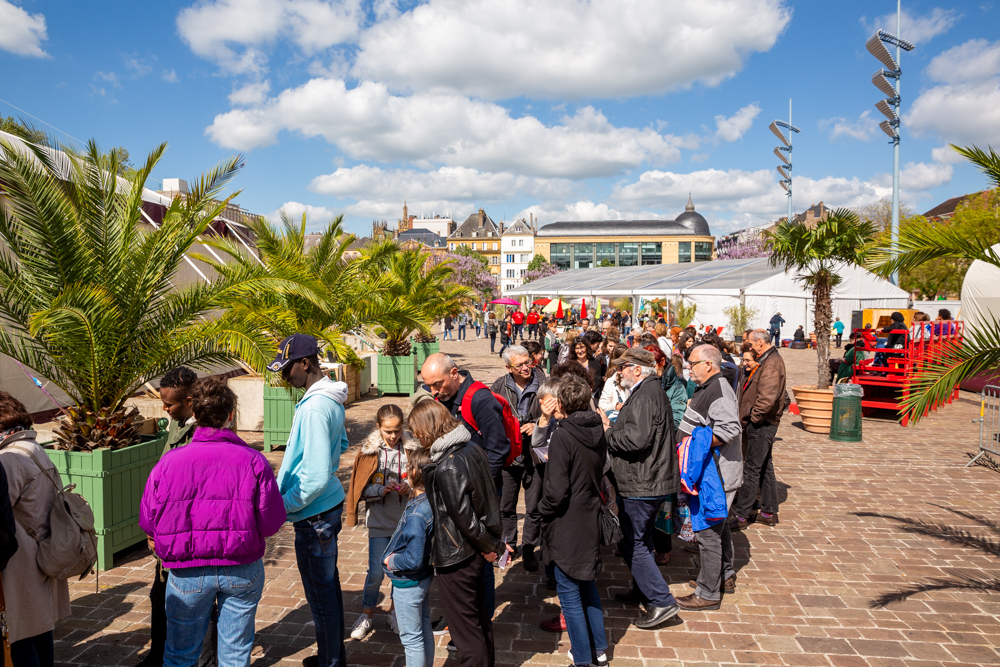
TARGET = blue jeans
x,y
461,332
316,555
447,335
413,613
479,327
373,580
191,593
581,606
637,519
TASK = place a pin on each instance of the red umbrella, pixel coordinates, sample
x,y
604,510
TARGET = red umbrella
x,y
583,309
541,302
559,312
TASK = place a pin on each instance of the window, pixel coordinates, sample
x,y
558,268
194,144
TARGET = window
x,y
464,244
494,247
475,234
451,246
521,274
702,251
473,246
684,251
510,273
458,234
652,253
560,254
495,259
520,242
525,258
628,254
605,251
583,255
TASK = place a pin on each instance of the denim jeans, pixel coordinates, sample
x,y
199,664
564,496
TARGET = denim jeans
x,y
461,332
493,342
316,556
373,580
413,614
581,607
637,518
447,335
479,328
37,651
191,593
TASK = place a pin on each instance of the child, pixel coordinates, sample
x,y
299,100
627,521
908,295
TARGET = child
x,y
407,562
379,478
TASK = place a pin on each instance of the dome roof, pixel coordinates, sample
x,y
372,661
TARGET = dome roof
x,y
693,220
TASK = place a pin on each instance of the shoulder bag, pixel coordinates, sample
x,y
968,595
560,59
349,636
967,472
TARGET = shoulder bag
x,y
611,530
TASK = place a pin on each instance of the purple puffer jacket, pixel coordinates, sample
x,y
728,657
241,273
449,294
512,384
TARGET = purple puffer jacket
x,y
211,502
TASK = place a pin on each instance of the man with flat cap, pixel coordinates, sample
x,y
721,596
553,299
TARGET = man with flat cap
x,y
314,497
643,454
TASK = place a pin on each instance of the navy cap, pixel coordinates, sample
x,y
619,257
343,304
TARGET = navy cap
x,y
296,346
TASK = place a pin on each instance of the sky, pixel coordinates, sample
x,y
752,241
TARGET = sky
x,y
566,109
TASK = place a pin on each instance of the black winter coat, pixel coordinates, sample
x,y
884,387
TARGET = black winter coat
x,y
642,444
570,503
464,501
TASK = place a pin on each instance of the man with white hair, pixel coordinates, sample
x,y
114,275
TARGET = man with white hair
x,y
714,405
643,455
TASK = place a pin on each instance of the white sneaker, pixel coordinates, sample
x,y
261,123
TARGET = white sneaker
x,y
602,659
393,625
361,628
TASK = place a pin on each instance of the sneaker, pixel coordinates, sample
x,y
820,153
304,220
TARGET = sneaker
x,y
393,624
601,661
439,627
361,627
557,624
452,647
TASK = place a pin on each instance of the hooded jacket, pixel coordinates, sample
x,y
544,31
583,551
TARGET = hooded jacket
x,y
463,500
642,444
212,502
701,479
714,405
570,504
365,466
308,475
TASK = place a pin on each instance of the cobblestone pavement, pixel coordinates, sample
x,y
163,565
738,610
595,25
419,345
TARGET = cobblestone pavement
x,y
858,522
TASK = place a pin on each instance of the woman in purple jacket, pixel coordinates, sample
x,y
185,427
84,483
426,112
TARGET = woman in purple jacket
x,y
207,509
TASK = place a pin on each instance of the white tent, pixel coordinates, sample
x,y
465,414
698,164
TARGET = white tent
x,y
716,285
980,294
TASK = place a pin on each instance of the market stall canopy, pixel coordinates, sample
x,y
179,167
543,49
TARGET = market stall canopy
x,y
555,304
506,302
541,302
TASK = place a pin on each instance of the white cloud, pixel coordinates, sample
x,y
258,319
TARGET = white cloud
x,y
962,109
20,32
862,129
315,215
732,128
136,64
369,123
237,33
946,155
710,189
915,28
169,75
566,49
250,94
587,210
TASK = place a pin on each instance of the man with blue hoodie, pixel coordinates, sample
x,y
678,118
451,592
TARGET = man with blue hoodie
x,y
314,497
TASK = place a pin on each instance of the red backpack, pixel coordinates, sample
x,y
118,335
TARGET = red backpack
x,y
511,425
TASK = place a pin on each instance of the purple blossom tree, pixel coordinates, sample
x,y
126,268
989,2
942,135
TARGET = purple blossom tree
x,y
472,271
744,246
539,268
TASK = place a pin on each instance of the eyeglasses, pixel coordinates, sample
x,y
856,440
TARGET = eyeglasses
x,y
523,364
700,361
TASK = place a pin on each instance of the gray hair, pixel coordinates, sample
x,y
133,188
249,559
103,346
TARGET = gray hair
x,y
550,387
512,351
709,353
759,336
646,371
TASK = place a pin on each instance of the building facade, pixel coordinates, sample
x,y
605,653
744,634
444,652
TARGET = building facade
x,y
591,243
517,247
481,234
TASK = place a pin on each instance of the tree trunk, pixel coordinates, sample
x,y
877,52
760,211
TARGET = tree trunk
x,y
822,314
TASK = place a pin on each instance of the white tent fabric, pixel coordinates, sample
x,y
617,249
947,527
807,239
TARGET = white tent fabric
x,y
716,285
981,295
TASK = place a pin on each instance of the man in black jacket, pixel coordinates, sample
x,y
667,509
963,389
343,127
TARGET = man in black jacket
x,y
520,388
644,460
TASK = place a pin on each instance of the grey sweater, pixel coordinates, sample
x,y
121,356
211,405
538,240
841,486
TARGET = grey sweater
x,y
383,513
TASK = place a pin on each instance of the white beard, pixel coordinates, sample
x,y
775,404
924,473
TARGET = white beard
x,y
629,381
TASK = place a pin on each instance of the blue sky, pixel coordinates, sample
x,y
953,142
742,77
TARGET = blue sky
x,y
565,109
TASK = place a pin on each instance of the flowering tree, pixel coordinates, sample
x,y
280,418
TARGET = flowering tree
x,y
747,245
470,270
538,268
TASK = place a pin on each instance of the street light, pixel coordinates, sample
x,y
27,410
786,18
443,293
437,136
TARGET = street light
x,y
890,107
785,169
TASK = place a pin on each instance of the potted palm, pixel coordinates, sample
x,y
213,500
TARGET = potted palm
x,y
814,254
740,317
90,299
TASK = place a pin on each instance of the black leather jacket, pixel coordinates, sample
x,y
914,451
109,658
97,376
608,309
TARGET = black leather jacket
x,y
464,500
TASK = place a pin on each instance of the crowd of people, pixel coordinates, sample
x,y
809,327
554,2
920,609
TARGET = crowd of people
x,y
618,441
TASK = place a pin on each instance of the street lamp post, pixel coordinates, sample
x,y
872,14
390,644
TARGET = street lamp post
x,y
889,107
786,169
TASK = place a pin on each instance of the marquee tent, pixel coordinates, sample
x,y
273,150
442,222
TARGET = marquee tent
x,y
719,284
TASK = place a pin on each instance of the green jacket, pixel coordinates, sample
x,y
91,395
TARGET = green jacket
x,y
177,435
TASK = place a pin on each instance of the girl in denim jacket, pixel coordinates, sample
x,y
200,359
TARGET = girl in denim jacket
x,y
407,562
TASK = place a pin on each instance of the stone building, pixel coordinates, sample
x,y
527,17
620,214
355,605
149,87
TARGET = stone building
x,y
480,234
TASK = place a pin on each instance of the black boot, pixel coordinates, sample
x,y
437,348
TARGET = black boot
x,y
528,559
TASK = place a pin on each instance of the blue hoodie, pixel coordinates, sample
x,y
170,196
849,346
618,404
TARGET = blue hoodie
x,y
307,479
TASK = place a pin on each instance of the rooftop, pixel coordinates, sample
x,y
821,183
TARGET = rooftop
x,y
687,223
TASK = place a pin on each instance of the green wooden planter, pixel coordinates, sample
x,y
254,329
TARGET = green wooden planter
x,y
397,375
423,350
279,410
112,482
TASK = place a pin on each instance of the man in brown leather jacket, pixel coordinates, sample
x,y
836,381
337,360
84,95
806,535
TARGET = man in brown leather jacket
x,y
761,404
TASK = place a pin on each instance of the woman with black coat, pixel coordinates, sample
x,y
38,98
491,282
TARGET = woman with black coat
x,y
570,510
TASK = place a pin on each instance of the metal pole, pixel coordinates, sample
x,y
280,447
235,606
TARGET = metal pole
x,y
790,133
895,153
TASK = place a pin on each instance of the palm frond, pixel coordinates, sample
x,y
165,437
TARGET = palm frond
x,y
986,162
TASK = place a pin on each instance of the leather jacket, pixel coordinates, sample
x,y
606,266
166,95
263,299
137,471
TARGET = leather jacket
x,y
464,500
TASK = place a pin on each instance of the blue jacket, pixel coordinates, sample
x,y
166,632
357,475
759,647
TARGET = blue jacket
x,y
409,550
700,479
307,479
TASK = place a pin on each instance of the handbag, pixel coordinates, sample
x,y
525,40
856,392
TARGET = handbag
x,y
611,530
664,521
4,634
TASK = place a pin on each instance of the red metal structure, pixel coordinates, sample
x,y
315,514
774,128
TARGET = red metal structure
x,y
886,373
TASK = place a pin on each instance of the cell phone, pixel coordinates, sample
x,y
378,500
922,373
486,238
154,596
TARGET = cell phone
x,y
504,558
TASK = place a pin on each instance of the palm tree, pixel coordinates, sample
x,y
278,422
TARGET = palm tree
x,y
343,295
87,291
815,255
925,241
415,284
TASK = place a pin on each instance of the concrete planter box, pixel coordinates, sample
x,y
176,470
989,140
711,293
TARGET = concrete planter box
x,y
397,375
279,409
423,350
112,482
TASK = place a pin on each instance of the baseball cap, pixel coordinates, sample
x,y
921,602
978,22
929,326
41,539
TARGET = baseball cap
x,y
296,346
637,357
